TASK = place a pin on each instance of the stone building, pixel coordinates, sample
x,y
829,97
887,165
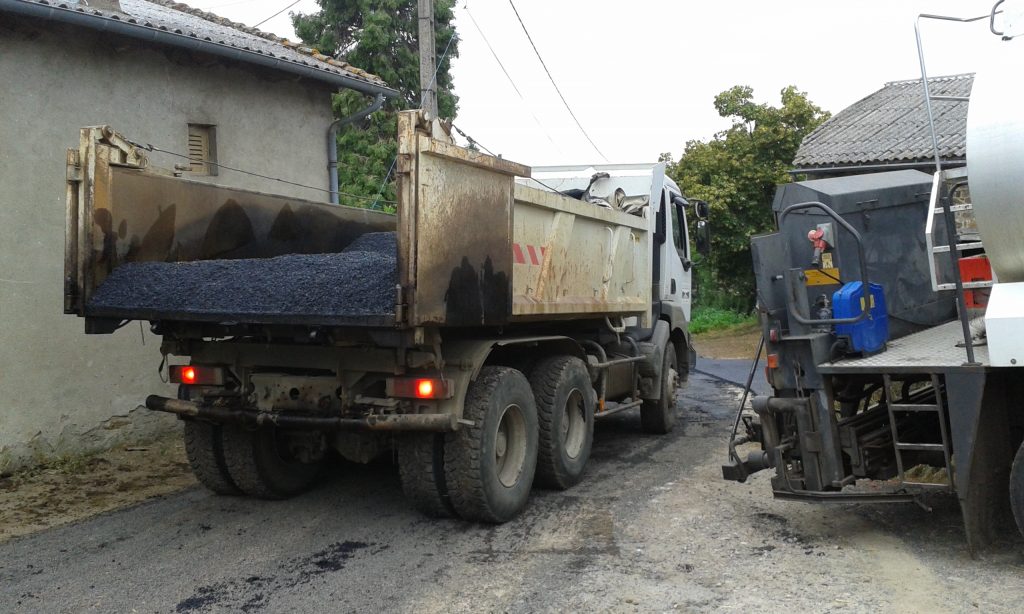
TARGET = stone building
x,y
219,94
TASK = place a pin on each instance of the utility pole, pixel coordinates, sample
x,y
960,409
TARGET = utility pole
x,y
428,59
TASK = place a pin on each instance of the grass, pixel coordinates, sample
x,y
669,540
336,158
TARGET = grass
x,y
707,319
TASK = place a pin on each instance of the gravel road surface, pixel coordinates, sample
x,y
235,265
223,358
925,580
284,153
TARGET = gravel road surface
x,y
651,528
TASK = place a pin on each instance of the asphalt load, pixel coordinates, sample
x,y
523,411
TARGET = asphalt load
x,y
359,281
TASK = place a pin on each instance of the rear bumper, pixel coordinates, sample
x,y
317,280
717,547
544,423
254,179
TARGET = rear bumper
x,y
437,423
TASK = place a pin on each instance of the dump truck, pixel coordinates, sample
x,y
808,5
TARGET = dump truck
x,y
892,312
476,334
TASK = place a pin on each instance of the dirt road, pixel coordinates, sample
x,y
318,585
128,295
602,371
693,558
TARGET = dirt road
x,y
652,528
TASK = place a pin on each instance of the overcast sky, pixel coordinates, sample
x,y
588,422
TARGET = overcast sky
x,y
641,76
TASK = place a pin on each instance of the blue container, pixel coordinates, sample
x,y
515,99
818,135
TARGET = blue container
x,y
870,334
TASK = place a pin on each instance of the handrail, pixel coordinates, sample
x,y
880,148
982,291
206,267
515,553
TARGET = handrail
x,y
860,258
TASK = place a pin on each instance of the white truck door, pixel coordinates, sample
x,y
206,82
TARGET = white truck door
x,y
678,260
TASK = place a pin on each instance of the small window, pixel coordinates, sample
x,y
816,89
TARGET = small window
x,y
202,149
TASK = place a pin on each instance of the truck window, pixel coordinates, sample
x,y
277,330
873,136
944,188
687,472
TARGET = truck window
x,y
679,231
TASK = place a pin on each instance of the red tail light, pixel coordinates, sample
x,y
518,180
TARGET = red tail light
x,y
424,388
197,375
418,388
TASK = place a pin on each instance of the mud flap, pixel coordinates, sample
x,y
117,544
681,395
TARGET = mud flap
x,y
982,452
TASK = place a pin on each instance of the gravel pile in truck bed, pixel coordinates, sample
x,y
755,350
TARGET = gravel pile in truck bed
x,y
359,281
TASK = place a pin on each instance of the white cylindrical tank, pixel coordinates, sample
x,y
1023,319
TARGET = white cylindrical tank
x,y
995,159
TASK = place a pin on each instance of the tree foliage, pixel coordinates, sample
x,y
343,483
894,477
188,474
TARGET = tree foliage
x,y
736,172
380,37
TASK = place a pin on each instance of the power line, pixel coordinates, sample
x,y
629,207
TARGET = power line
x,y
552,79
151,147
508,76
277,13
387,177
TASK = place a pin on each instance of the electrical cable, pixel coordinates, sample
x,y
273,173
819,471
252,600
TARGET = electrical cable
x,y
477,143
507,75
277,13
391,169
151,147
552,79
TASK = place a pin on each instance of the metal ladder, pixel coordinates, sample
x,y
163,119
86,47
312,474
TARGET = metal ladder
x,y
902,446
935,206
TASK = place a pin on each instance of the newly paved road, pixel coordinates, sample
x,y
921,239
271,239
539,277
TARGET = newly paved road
x,y
652,528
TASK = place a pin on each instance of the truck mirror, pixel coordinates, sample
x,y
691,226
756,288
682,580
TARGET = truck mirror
x,y
703,237
701,209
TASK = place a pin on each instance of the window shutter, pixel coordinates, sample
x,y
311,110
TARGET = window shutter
x,y
201,153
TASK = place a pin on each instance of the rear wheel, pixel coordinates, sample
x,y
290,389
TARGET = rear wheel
x,y
659,415
489,466
421,467
565,419
1017,488
263,462
205,452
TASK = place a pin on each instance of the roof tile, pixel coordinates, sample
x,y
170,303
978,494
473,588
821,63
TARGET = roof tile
x,y
891,125
183,20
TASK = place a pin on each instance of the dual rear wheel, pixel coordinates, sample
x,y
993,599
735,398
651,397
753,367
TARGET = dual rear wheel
x,y
521,428
516,429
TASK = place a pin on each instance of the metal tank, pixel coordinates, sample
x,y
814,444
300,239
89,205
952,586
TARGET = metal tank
x,y
995,161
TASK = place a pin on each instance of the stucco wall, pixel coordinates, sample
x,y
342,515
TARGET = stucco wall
x,y
61,391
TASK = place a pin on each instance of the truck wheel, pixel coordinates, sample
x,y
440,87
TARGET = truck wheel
x,y
565,420
205,452
261,465
1017,488
421,467
489,466
659,415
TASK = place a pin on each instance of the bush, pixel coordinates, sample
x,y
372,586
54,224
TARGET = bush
x,y
705,319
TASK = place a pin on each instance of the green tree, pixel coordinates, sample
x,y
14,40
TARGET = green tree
x,y
736,172
380,37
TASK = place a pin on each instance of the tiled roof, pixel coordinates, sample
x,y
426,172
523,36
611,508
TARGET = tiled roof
x,y
891,126
179,19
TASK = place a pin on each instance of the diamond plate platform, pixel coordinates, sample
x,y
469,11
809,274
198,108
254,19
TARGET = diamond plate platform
x,y
927,351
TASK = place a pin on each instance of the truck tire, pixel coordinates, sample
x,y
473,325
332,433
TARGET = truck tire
x,y
489,466
205,452
261,467
659,415
421,468
1017,488
565,419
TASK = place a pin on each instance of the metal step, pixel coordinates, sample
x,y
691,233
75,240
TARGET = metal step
x,y
944,249
914,407
967,285
921,447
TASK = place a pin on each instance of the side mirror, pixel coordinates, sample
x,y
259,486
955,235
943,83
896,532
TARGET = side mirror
x,y
702,209
703,237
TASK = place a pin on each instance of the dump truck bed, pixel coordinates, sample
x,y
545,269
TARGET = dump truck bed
x,y
468,246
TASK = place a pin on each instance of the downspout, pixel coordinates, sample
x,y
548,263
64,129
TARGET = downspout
x,y
332,142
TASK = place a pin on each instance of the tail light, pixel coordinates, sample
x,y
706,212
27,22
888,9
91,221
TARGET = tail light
x,y
418,388
197,375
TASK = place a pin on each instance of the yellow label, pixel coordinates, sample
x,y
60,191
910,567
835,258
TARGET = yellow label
x,y
826,261
862,303
822,277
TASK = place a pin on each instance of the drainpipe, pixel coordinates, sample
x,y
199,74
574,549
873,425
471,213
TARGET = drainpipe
x,y
332,142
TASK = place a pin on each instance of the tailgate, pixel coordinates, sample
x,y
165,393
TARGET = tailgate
x,y
144,244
